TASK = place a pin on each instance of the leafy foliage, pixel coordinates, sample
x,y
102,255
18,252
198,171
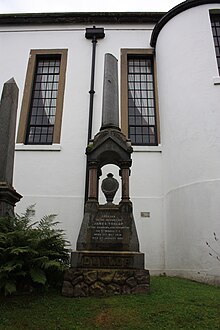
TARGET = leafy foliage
x,y
32,255
214,251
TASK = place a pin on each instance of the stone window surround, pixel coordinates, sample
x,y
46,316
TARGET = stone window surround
x,y
25,107
216,79
124,94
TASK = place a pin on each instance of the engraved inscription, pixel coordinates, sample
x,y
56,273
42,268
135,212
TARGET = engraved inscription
x,y
107,261
108,228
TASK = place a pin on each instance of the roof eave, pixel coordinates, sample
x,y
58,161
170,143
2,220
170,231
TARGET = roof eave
x,y
81,17
173,12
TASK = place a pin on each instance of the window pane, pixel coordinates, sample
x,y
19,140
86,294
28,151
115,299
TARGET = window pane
x,y
141,103
215,23
43,103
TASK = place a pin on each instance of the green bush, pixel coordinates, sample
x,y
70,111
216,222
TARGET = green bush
x,y
32,255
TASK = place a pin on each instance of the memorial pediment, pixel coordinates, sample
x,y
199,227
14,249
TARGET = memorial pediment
x,y
109,147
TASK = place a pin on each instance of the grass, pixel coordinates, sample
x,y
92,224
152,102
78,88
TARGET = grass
x,y
173,304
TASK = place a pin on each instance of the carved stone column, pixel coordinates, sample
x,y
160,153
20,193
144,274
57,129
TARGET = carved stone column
x,y
125,173
93,181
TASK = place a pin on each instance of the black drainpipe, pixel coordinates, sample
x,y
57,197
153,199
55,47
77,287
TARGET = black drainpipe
x,y
94,34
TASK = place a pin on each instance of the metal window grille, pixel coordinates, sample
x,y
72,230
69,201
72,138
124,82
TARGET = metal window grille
x,y
141,101
43,103
215,22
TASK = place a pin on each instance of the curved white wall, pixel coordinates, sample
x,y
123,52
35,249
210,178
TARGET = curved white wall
x,y
190,134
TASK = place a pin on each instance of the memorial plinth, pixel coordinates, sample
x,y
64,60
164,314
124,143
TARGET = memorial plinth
x,y
8,198
107,260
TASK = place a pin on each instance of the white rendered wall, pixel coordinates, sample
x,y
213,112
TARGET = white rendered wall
x,y
55,180
190,117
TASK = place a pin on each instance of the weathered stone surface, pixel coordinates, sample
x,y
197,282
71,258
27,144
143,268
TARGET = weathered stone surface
x,y
110,104
121,276
110,138
113,289
98,289
90,276
106,276
71,274
67,289
109,228
81,290
141,288
142,276
131,282
8,111
104,282
126,289
77,279
8,198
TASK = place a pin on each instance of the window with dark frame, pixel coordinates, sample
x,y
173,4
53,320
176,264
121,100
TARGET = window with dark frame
x,y
142,128
42,113
215,23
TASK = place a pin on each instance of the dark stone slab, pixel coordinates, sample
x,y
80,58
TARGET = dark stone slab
x,y
107,260
108,228
8,112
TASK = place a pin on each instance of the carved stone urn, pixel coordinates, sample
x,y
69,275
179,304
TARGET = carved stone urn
x,y
109,187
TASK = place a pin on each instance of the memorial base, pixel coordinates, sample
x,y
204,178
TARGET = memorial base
x,y
80,282
8,198
107,259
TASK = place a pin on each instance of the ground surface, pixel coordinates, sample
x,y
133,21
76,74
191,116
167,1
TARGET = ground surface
x,y
173,304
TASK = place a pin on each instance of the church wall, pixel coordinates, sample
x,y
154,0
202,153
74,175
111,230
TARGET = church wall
x,y
54,179
190,134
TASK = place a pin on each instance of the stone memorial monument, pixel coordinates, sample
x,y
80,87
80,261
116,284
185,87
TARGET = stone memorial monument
x,y
107,260
8,111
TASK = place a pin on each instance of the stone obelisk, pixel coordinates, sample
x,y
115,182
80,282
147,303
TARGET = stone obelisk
x,y
110,103
8,112
107,260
